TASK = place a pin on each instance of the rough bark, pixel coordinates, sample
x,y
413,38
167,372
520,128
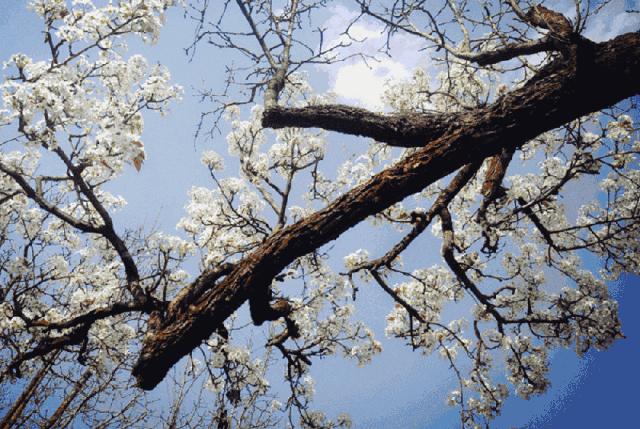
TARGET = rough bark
x,y
510,51
590,78
546,18
403,130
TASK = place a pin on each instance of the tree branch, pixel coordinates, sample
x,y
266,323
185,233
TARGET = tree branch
x,y
91,316
406,130
423,220
593,77
509,51
492,190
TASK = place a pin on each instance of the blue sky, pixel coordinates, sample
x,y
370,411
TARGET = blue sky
x,y
400,388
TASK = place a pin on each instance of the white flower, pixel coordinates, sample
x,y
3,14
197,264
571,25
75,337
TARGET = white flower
x,y
212,160
356,259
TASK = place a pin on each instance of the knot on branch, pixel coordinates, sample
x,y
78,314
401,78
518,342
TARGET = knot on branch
x,y
417,217
494,195
550,20
262,310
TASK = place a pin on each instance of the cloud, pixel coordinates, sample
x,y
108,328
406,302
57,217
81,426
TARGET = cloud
x,y
365,83
362,80
612,21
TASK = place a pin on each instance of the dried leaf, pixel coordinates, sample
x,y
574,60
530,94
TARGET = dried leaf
x,y
138,160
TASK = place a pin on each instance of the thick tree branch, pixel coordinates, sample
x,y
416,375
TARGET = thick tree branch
x,y
509,51
548,19
403,130
593,77
492,191
205,281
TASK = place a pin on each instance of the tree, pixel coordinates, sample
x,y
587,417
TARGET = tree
x,y
518,108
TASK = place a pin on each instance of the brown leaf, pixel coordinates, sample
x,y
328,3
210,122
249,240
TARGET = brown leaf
x,y
138,160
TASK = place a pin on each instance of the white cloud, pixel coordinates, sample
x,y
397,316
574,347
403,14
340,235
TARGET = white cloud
x,y
612,21
363,82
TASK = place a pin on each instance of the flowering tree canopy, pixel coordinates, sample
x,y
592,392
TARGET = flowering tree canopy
x,y
482,153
